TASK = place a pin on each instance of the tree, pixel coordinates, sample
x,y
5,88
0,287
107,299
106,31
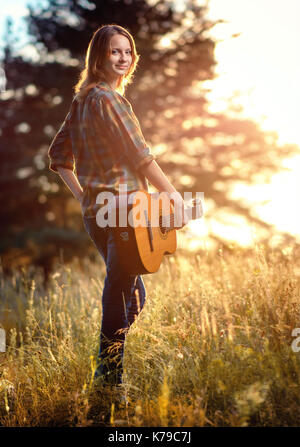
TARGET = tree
x,y
177,55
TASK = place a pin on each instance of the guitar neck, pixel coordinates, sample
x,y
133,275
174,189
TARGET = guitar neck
x,y
193,212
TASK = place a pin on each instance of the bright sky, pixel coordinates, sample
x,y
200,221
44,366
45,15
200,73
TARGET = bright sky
x,y
263,62
15,9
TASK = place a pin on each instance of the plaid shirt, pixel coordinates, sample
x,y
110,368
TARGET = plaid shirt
x,y
102,141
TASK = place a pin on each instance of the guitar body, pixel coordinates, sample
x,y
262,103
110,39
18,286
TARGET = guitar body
x,y
142,244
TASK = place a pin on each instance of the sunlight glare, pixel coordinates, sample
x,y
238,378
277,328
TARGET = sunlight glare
x,y
261,62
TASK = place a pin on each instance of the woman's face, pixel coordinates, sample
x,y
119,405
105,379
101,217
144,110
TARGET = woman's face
x,y
120,59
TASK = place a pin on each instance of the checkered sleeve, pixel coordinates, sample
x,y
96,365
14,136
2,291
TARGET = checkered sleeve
x,y
124,129
60,150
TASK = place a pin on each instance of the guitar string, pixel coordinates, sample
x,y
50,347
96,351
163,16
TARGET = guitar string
x,y
168,221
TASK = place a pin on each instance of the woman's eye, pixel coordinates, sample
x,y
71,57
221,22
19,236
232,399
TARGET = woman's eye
x,y
116,51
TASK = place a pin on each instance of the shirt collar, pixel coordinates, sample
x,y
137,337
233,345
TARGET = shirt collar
x,y
104,84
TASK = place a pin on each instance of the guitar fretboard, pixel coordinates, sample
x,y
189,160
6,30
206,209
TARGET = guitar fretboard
x,y
168,223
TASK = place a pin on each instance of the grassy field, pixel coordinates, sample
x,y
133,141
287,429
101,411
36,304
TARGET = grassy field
x,y
212,347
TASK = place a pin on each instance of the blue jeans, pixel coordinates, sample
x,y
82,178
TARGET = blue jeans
x,y
123,298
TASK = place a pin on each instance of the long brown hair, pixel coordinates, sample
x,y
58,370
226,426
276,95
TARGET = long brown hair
x,y
97,53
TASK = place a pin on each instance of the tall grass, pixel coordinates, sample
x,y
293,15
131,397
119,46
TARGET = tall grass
x,y
212,347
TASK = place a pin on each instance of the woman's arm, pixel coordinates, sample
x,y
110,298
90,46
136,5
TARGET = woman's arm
x,y
71,181
151,171
158,179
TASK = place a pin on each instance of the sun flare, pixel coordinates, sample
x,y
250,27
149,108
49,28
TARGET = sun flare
x,y
258,69
261,62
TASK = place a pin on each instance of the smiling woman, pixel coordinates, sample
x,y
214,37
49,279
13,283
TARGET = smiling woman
x,y
119,60
102,138
112,57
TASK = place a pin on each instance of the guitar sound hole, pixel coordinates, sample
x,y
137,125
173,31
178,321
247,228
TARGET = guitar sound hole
x,y
161,227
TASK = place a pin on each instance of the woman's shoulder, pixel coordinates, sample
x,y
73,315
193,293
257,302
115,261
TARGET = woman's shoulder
x,y
103,90
93,92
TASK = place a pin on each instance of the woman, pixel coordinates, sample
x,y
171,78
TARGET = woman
x,y
102,139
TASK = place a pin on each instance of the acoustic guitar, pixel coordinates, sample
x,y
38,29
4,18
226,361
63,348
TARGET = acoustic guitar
x,y
148,230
